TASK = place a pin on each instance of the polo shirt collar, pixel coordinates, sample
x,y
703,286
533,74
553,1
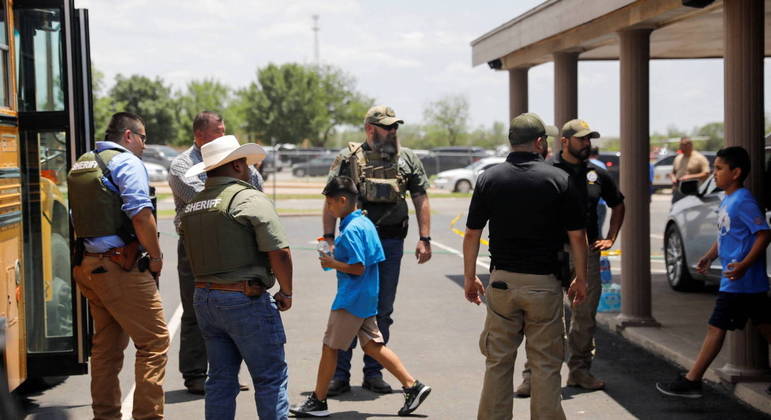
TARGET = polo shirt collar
x,y
222,180
522,157
558,159
347,219
102,145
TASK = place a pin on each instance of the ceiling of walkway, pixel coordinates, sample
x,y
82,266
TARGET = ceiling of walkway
x,y
591,28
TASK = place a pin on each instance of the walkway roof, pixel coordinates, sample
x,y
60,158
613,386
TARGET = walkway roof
x,y
590,27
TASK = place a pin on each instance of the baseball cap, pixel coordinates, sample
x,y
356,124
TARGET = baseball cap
x,y
578,128
527,127
381,114
340,185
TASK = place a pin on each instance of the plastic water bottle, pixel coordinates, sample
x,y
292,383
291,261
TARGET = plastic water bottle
x,y
323,249
606,277
610,300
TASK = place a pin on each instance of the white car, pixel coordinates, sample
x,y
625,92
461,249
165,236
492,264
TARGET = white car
x,y
156,172
463,179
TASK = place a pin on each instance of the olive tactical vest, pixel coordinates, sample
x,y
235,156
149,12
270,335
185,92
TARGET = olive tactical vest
x,y
96,210
214,240
378,180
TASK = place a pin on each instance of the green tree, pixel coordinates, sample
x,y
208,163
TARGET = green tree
x,y
715,134
205,95
284,103
450,116
344,105
104,105
152,100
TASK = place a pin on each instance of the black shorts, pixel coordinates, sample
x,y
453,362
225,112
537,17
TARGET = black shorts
x,y
733,309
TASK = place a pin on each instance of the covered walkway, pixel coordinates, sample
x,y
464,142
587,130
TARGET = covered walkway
x,y
634,32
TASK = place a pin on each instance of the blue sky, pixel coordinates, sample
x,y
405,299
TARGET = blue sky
x,y
402,53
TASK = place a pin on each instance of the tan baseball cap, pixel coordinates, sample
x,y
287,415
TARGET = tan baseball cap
x,y
578,128
381,114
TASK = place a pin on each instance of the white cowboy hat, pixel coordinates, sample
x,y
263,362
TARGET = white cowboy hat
x,y
223,150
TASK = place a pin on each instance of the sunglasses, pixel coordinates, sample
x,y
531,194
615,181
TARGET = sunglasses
x,y
393,126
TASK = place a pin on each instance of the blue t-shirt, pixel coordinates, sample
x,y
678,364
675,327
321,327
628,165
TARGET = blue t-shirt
x,y
358,243
739,218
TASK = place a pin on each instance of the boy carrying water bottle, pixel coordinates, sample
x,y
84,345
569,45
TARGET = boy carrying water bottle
x,y
357,252
742,238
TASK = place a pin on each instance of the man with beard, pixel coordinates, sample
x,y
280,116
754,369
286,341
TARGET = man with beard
x,y
383,172
593,183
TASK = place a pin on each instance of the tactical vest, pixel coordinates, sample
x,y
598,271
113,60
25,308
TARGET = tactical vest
x,y
378,180
214,240
96,210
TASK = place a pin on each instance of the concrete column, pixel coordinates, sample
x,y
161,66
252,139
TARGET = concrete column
x,y
517,91
635,260
743,26
565,87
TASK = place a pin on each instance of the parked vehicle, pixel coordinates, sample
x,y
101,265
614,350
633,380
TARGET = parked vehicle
x,y
452,157
463,179
612,161
663,167
159,154
156,172
314,167
689,233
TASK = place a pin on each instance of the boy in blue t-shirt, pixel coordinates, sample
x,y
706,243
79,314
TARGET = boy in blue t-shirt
x,y
357,252
742,238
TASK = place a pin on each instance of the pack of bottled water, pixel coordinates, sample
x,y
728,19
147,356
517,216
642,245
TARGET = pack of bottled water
x,y
610,299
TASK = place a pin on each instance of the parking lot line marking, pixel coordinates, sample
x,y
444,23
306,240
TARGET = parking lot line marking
x,y
461,233
459,254
128,402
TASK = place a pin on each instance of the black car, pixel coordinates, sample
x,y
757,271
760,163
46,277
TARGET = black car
x,y
314,167
452,157
160,154
612,161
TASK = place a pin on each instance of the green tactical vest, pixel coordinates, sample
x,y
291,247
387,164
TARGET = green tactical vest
x,y
214,240
96,211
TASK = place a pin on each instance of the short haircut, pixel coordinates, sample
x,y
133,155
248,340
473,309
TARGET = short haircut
x,y
202,120
736,157
341,185
120,122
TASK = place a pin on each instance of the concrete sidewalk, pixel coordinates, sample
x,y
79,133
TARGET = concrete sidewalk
x,y
683,318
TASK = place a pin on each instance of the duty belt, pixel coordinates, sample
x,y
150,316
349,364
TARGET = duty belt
x,y
249,288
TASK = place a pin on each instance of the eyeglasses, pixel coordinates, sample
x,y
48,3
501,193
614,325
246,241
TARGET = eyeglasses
x,y
393,126
142,137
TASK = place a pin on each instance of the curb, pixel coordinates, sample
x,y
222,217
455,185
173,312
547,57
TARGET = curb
x,y
750,393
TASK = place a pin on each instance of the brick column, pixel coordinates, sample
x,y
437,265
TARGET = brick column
x,y
517,91
635,145
743,26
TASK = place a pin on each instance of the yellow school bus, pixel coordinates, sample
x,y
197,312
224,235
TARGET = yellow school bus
x,y
45,123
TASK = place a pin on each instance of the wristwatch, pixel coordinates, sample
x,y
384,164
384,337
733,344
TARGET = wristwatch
x,y
329,236
425,239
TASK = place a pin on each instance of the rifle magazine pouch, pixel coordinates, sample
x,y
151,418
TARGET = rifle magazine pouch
x,y
379,190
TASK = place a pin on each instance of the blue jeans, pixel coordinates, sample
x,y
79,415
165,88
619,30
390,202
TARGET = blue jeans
x,y
237,327
389,279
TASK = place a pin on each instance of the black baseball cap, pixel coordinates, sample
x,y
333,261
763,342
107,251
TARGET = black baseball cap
x,y
340,185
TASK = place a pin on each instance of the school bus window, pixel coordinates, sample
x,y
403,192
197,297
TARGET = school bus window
x,y
39,59
4,51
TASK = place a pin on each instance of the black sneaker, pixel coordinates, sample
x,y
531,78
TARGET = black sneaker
x,y
413,397
337,387
680,387
312,407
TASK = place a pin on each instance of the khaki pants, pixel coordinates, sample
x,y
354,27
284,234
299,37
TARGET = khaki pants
x,y
531,307
124,305
583,318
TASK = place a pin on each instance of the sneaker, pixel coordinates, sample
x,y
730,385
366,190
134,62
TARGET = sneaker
x,y
376,384
584,379
680,387
312,407
413,397
337,387
523,390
